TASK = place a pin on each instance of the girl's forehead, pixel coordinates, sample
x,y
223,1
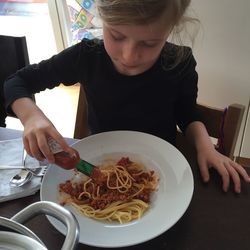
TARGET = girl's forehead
x,y
150,31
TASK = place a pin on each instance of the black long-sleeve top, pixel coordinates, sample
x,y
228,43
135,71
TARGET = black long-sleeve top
x,y
153,102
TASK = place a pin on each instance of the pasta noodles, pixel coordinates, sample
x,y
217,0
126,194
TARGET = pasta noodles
x,y
122,193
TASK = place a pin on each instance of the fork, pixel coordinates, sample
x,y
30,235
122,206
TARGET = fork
x,y
38,172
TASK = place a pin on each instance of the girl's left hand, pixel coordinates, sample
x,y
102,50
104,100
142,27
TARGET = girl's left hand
x,y
227,168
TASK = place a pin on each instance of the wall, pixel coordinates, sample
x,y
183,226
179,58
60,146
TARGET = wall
x,y
222,52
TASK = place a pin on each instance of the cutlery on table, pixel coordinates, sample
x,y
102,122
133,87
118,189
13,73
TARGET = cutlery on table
x,y
7,167
26,173
21,178
38,172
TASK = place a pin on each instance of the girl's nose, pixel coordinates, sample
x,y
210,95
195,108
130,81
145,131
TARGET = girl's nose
x,y
130,54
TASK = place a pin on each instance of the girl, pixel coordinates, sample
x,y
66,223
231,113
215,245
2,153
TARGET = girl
x,y
133,79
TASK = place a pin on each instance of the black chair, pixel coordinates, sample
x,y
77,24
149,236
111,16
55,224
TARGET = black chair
x,y
14,56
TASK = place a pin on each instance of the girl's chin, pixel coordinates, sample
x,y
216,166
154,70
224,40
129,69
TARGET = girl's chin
x,y
130,71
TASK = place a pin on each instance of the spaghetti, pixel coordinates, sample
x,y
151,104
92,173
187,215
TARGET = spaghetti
x,y
121,193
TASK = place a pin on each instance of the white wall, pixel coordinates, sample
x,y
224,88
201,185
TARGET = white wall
x,y
222,51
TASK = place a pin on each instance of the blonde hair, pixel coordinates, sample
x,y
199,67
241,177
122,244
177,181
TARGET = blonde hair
x,y
146,11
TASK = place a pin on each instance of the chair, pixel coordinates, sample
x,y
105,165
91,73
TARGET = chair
x,y
81,124
222,124
14,56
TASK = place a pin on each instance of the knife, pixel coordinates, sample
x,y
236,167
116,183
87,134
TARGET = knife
x,y
7,167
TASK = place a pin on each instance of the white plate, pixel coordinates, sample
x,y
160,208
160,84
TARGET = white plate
x,y
167,206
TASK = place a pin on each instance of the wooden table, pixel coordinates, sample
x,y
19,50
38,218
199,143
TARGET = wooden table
x,y
214,220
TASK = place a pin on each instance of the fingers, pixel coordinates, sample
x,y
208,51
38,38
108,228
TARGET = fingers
x,y
225,167
224,175
44,148
236,171
241,171
55,135
204,171
36,144
230,169
32,148
27,146
235,177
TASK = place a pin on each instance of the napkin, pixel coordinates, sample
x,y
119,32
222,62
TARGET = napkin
x,y
11,152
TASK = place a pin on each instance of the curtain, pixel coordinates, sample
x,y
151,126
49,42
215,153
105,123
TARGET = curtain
x,y
84,20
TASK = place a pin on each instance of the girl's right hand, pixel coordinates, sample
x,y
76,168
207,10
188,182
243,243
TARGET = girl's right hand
x,y
37,130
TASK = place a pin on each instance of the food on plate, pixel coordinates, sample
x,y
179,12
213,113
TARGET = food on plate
x,y
122,192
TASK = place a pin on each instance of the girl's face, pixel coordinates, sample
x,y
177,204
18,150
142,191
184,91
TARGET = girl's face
x,y
134,49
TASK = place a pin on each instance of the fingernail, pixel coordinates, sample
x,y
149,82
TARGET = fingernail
x,y
206,179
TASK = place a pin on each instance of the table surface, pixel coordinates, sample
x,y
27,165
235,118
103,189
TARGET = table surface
x,y
214,220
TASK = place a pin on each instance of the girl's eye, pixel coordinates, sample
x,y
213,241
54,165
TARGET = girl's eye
x,y
117,37
149,44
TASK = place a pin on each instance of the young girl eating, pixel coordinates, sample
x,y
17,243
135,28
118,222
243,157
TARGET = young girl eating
x,y
133,79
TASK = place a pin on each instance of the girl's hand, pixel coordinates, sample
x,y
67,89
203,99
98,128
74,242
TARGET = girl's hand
x,y
227,168
209,157
37,129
